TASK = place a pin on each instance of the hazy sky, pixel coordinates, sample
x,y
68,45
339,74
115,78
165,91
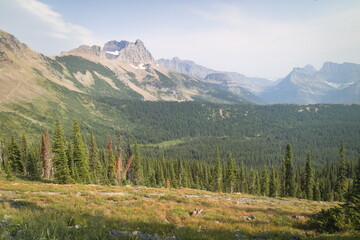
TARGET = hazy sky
x,y
257,38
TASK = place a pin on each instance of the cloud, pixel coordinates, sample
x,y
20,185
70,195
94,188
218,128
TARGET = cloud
x,y
58,27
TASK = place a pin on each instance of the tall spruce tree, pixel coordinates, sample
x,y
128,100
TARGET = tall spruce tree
x,y
111,168
289,181
61,168
242,178
341,185
14,157
25,153
230,175
217,174
33,171
138,177
79,155
273,186
309,179
353,200
265,183
94,161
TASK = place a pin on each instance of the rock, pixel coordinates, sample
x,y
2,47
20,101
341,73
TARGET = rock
x,y
136,234
3,223
299,217
239,236
250,218
196,212
170,237
7,217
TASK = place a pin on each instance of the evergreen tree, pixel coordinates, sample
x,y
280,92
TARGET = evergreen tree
x,y
61,168
217,175
33,167
273,188
289,183
24,153
14,155
265,183
46,156
111,169
309,179
353,200
173,178
242,178
94,161
230,175
341,187
138,177
79,155
2,157
70,157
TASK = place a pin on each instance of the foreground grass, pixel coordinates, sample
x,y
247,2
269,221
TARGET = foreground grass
x,y
35,210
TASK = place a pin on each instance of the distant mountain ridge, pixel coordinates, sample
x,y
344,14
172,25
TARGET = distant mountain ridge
x,y
127,70
236,83
333,83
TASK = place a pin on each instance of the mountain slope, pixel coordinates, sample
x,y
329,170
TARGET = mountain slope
x,y
246,87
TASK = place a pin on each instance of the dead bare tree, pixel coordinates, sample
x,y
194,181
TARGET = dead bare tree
x,y
46,156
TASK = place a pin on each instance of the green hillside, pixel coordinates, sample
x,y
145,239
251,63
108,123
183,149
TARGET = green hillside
x,y
191,130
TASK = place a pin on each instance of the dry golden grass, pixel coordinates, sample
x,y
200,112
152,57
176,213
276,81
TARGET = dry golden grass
x,y
37,208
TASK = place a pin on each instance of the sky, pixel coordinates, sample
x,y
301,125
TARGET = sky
x,y
259,38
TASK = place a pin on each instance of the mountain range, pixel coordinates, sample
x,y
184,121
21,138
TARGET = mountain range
x,y
127,70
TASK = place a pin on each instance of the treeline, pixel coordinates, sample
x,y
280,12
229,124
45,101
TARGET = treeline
x,y
78,160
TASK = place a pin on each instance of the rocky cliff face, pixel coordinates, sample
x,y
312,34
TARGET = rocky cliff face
x,y
128,51
132,52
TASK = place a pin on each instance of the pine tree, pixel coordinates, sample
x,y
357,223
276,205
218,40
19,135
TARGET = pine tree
x,y
94,161
61,168
33,168
24,153
309,179
79,155
217,175
242,178
230,175
273,186
70,157
2,157
341,187
289,183
111,169
46,156
138,177
265,183
173,178
14,155
353,200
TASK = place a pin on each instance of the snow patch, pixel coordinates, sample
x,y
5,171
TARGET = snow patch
x,y
334,85
116,53
140,66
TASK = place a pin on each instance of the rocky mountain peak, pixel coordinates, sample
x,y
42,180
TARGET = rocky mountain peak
x,y
139,42
10,42
91,50
127,51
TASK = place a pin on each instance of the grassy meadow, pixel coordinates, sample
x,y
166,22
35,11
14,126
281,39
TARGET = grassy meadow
x,y
39,210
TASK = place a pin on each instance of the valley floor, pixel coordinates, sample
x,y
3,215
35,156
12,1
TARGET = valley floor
x,y
38,210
